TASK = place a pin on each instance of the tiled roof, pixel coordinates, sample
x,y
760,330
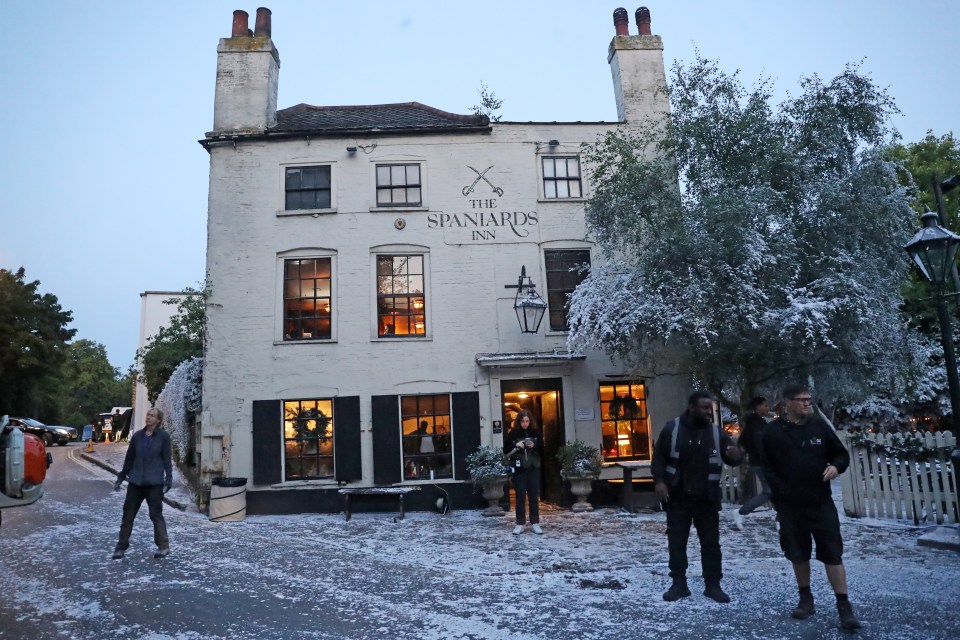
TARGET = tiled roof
x,y
375,117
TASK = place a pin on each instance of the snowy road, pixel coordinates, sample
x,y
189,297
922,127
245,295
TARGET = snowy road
x,y
462,576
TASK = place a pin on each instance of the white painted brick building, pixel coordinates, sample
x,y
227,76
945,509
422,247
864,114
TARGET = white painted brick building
x,y
358,257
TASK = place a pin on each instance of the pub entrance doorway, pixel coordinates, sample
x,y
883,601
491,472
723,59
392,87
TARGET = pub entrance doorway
x,y
542,397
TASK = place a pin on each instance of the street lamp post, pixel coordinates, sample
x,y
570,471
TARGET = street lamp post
x,y
934,251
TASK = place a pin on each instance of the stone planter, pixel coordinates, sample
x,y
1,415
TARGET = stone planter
x,y
491,489
580,487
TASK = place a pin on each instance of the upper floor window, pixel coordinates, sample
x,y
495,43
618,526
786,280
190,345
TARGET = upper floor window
x,y
399,185
624,421
307,187
401,298
561,177
307,298
562,278
308,439
425,422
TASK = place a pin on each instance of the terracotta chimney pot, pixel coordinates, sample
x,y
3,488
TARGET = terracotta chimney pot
x,y
263,22
240,28
643,21
621,22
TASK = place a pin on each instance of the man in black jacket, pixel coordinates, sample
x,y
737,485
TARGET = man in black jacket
x,y
686,470
750,443
801,455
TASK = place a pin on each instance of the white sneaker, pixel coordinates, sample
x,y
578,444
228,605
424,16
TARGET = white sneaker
x,y
536,529
737,519
517,530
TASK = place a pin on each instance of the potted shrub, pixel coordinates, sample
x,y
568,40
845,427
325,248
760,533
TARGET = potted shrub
x,y
580,464
489,474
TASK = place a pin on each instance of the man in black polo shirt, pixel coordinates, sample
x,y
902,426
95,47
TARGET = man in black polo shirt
x,y
801,455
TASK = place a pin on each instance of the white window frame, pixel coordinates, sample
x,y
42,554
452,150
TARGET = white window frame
x,y
424,204
401,249
282,208
301,254
541,188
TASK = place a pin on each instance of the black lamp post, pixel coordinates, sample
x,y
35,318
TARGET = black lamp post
x,y
528,304
934,250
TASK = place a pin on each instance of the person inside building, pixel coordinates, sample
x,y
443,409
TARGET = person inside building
x,y
750,443
148,467
801,455
524,447
686,468
116,420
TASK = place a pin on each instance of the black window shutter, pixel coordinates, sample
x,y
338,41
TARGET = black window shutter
x,y
386,439
267,440
466,430
346,438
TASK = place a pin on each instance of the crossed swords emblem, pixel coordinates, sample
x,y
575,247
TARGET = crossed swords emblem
x,y
481,176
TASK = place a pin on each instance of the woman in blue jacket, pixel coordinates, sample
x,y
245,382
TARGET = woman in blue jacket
x,y
148,469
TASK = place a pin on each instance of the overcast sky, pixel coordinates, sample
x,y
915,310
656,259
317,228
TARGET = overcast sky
x,y
103,186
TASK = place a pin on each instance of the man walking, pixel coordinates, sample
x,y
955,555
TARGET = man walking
x,y
750,442
686,469
801,455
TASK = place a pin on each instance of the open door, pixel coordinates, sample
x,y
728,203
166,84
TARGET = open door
x,y
542,398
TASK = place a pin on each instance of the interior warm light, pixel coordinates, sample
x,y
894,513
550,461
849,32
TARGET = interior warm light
x,y
418,304
326,307
523,396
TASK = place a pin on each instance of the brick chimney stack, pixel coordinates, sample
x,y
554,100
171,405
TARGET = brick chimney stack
x,y
248,73
636,63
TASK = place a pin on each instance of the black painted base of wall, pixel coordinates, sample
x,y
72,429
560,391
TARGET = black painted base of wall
x,y
290,501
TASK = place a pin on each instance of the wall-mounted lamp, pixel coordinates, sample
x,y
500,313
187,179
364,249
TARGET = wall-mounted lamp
x,y
554,143
351,150
528,304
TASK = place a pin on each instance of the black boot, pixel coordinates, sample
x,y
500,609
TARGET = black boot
x,y
677,590
715,593
848,619
804,608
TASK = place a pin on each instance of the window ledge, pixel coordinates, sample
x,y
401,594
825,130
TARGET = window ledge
x,y
553,333
398,209
294,484
279,343
283,213
581,199
399,339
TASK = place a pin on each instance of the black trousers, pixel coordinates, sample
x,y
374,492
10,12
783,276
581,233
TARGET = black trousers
x,y
703,515
153,494
526,482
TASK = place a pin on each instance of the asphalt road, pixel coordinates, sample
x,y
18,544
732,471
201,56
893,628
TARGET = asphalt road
x,y
460,576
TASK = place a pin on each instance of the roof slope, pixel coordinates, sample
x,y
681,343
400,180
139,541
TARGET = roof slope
x,y
403,116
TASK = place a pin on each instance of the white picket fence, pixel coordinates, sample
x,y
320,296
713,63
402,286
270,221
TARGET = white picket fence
x,y
882,486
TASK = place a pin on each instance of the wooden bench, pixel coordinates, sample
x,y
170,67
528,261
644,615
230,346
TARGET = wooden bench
x,y
628,497
400,492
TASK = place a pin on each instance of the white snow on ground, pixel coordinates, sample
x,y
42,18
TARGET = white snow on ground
x,y
436,577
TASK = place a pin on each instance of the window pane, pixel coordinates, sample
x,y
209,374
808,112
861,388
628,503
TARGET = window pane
x,y
323,267
561,168
309,178
383,176
548,170
323,177
398,175
413,195
550,189
416,284
413,174
292,180
562,191
573,167
399,196
384,265
323,200
291,269
292,201
383,196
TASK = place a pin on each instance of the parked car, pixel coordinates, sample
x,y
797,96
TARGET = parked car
x,y
49,434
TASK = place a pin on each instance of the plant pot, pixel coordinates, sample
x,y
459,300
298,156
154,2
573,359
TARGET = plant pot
x,y
491,489
580,487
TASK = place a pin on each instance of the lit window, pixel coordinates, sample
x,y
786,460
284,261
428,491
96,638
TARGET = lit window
x,y
307,299
307,188
561,177
398,185
562,278
624,421
308,439
426,437
401,302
